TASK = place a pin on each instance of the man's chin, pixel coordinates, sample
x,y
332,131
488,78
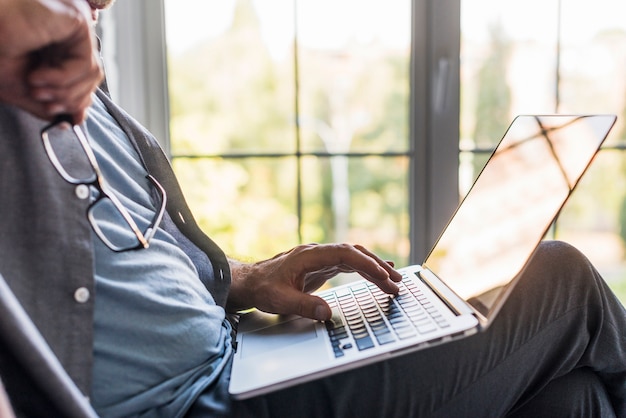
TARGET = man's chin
x,y
100,4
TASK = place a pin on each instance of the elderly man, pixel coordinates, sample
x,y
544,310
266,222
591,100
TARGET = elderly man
x,y
123,312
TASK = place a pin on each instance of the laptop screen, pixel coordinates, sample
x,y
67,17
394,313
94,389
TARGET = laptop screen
x,y
513,203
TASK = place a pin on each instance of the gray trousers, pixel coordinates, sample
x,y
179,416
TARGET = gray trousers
x,y
557,348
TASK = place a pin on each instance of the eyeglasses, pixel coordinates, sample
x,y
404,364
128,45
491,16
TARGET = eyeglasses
x,y
109,219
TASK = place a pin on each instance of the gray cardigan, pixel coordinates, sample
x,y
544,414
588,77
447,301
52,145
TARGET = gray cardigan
x,y
46,266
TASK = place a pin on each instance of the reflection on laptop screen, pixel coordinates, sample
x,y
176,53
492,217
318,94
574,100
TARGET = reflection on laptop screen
x,y
513,203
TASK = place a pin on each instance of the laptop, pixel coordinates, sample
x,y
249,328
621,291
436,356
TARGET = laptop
x,y
461,285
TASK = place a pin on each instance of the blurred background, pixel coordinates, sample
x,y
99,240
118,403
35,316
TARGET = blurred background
x,y
295,121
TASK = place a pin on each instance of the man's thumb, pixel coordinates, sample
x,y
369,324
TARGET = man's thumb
x,y
313,307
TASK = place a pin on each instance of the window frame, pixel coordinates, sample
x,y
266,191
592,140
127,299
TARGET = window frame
x,y
136,29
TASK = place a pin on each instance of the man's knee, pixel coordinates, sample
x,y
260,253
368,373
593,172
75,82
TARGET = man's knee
x,y
560,262
558,253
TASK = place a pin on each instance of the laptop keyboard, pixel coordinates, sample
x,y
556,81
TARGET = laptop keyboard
x,y
371,317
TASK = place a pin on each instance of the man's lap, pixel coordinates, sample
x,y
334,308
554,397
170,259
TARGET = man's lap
x,y
539,336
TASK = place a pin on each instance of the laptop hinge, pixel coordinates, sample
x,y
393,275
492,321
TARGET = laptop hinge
x,y
447,296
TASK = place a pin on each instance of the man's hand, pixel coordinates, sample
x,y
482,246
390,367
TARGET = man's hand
x,y
48,56
282,284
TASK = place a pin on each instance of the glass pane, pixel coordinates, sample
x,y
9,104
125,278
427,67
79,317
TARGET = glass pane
x,y
235,91
358,200
508,65
248,206
551,56
593,57
594,220
354,58
231,72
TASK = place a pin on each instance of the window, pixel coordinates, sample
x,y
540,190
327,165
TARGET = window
x,y
302,111
305,111
552,56
440,100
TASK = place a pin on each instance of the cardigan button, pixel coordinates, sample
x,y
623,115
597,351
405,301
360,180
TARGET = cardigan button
x,y
82,191
81,295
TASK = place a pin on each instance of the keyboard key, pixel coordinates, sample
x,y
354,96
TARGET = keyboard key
x,y
364,343
426,328
409,333
385,338
364,314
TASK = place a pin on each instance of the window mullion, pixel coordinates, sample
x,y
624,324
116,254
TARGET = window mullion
x,y
139,54
434,120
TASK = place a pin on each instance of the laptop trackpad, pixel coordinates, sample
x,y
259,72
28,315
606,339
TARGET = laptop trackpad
x,y
277,336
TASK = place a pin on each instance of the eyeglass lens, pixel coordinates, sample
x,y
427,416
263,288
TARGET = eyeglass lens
x,y
67,154
112,228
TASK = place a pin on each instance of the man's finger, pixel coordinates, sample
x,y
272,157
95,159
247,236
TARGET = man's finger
x,y
294,302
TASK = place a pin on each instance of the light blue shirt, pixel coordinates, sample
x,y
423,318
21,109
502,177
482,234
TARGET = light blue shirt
x,y
160,339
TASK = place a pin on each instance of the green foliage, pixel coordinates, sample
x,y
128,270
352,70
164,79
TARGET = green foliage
x,y
494,97
230,96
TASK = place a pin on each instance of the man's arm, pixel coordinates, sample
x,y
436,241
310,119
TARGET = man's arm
x,y
48,56
283,283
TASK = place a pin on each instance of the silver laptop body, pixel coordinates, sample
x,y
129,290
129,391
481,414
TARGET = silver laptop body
x,y
460,286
